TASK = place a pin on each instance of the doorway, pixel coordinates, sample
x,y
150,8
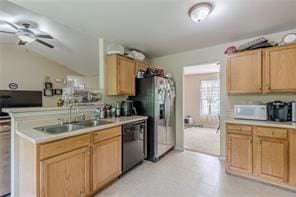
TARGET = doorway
x,y
202,108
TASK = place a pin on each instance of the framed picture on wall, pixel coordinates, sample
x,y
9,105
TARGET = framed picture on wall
x,y
48,92
58,91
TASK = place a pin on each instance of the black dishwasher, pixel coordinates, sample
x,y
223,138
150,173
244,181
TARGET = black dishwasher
x,y
132,144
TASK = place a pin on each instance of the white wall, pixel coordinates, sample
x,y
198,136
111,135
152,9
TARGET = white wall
x,y
29,69
174,63
192,99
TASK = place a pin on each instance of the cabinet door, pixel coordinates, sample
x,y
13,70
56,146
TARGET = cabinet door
x,y
245,72
281,69
271,158
106,161
4,161
239,153
126,76
292,157
65,175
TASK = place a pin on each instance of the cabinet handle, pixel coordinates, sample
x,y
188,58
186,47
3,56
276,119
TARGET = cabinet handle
x,y
250,141
268,86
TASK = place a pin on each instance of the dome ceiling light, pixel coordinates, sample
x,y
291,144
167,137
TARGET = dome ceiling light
x,y
200,11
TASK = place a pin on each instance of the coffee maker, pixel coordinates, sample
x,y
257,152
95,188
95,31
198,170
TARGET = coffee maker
x,y
279,111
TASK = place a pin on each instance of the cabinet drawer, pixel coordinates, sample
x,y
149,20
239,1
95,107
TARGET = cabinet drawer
x,y
62,146
271,132
107,134
237,128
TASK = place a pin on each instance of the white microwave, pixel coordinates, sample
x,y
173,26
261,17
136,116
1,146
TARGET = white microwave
x,y
251,112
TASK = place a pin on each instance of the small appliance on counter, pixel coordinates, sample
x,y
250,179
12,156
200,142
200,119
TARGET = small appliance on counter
x,y
279,111
250,112
293,105
127,108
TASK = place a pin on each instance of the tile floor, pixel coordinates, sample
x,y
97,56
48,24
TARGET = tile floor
x,y
187,174
204,140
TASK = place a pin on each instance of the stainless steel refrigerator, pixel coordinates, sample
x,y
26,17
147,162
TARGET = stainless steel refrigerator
x,y
155,98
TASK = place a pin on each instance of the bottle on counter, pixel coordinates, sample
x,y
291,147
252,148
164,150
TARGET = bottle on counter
x,y
118,109
113,111
102,114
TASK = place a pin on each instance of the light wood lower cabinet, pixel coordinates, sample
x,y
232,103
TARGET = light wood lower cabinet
x,y
239,153
265,154
77,166
66,174
106,161
292,157
271,158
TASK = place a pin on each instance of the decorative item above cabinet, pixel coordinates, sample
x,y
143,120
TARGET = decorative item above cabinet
x,y
270,70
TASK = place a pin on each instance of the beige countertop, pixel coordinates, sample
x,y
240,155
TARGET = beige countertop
x,y
289,125
44,109
27,131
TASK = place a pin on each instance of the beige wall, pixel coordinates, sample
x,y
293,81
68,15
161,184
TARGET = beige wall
x,y
192,97
175,63
29,69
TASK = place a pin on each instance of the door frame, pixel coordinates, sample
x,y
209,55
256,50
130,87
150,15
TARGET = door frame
x,y
183,108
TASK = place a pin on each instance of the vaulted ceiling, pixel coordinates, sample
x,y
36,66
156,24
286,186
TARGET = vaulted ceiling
x,y
156,27
74,49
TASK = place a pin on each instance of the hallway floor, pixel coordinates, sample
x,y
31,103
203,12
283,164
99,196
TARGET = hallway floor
x,y
203,140
187,174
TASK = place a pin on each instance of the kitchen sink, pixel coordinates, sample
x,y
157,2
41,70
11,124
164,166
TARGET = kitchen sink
x,y
56,129
94,123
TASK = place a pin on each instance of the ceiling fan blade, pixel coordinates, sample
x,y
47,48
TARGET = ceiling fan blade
x,y
10,24
44,36
45,43
21,42
7,32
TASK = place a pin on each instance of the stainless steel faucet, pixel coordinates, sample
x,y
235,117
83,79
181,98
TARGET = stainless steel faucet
x,y
70,112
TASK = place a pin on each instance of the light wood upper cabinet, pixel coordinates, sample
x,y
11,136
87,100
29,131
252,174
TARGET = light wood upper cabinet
x,y
106,161
280,68
239,156
245,72
66,174
120,75
270,70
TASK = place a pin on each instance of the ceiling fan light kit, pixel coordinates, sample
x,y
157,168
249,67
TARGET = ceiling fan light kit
x,y
200,11
26,35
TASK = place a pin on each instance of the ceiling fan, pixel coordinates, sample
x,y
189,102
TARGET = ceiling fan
x,y
26,35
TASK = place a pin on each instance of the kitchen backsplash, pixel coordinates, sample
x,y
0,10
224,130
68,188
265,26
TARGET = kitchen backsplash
x,y
253,99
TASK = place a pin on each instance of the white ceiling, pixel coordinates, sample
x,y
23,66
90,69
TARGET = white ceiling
x,y
74,49
202,69
162,27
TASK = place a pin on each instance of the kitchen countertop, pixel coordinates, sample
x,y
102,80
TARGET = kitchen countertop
x,y
44,109
288,125
28,132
